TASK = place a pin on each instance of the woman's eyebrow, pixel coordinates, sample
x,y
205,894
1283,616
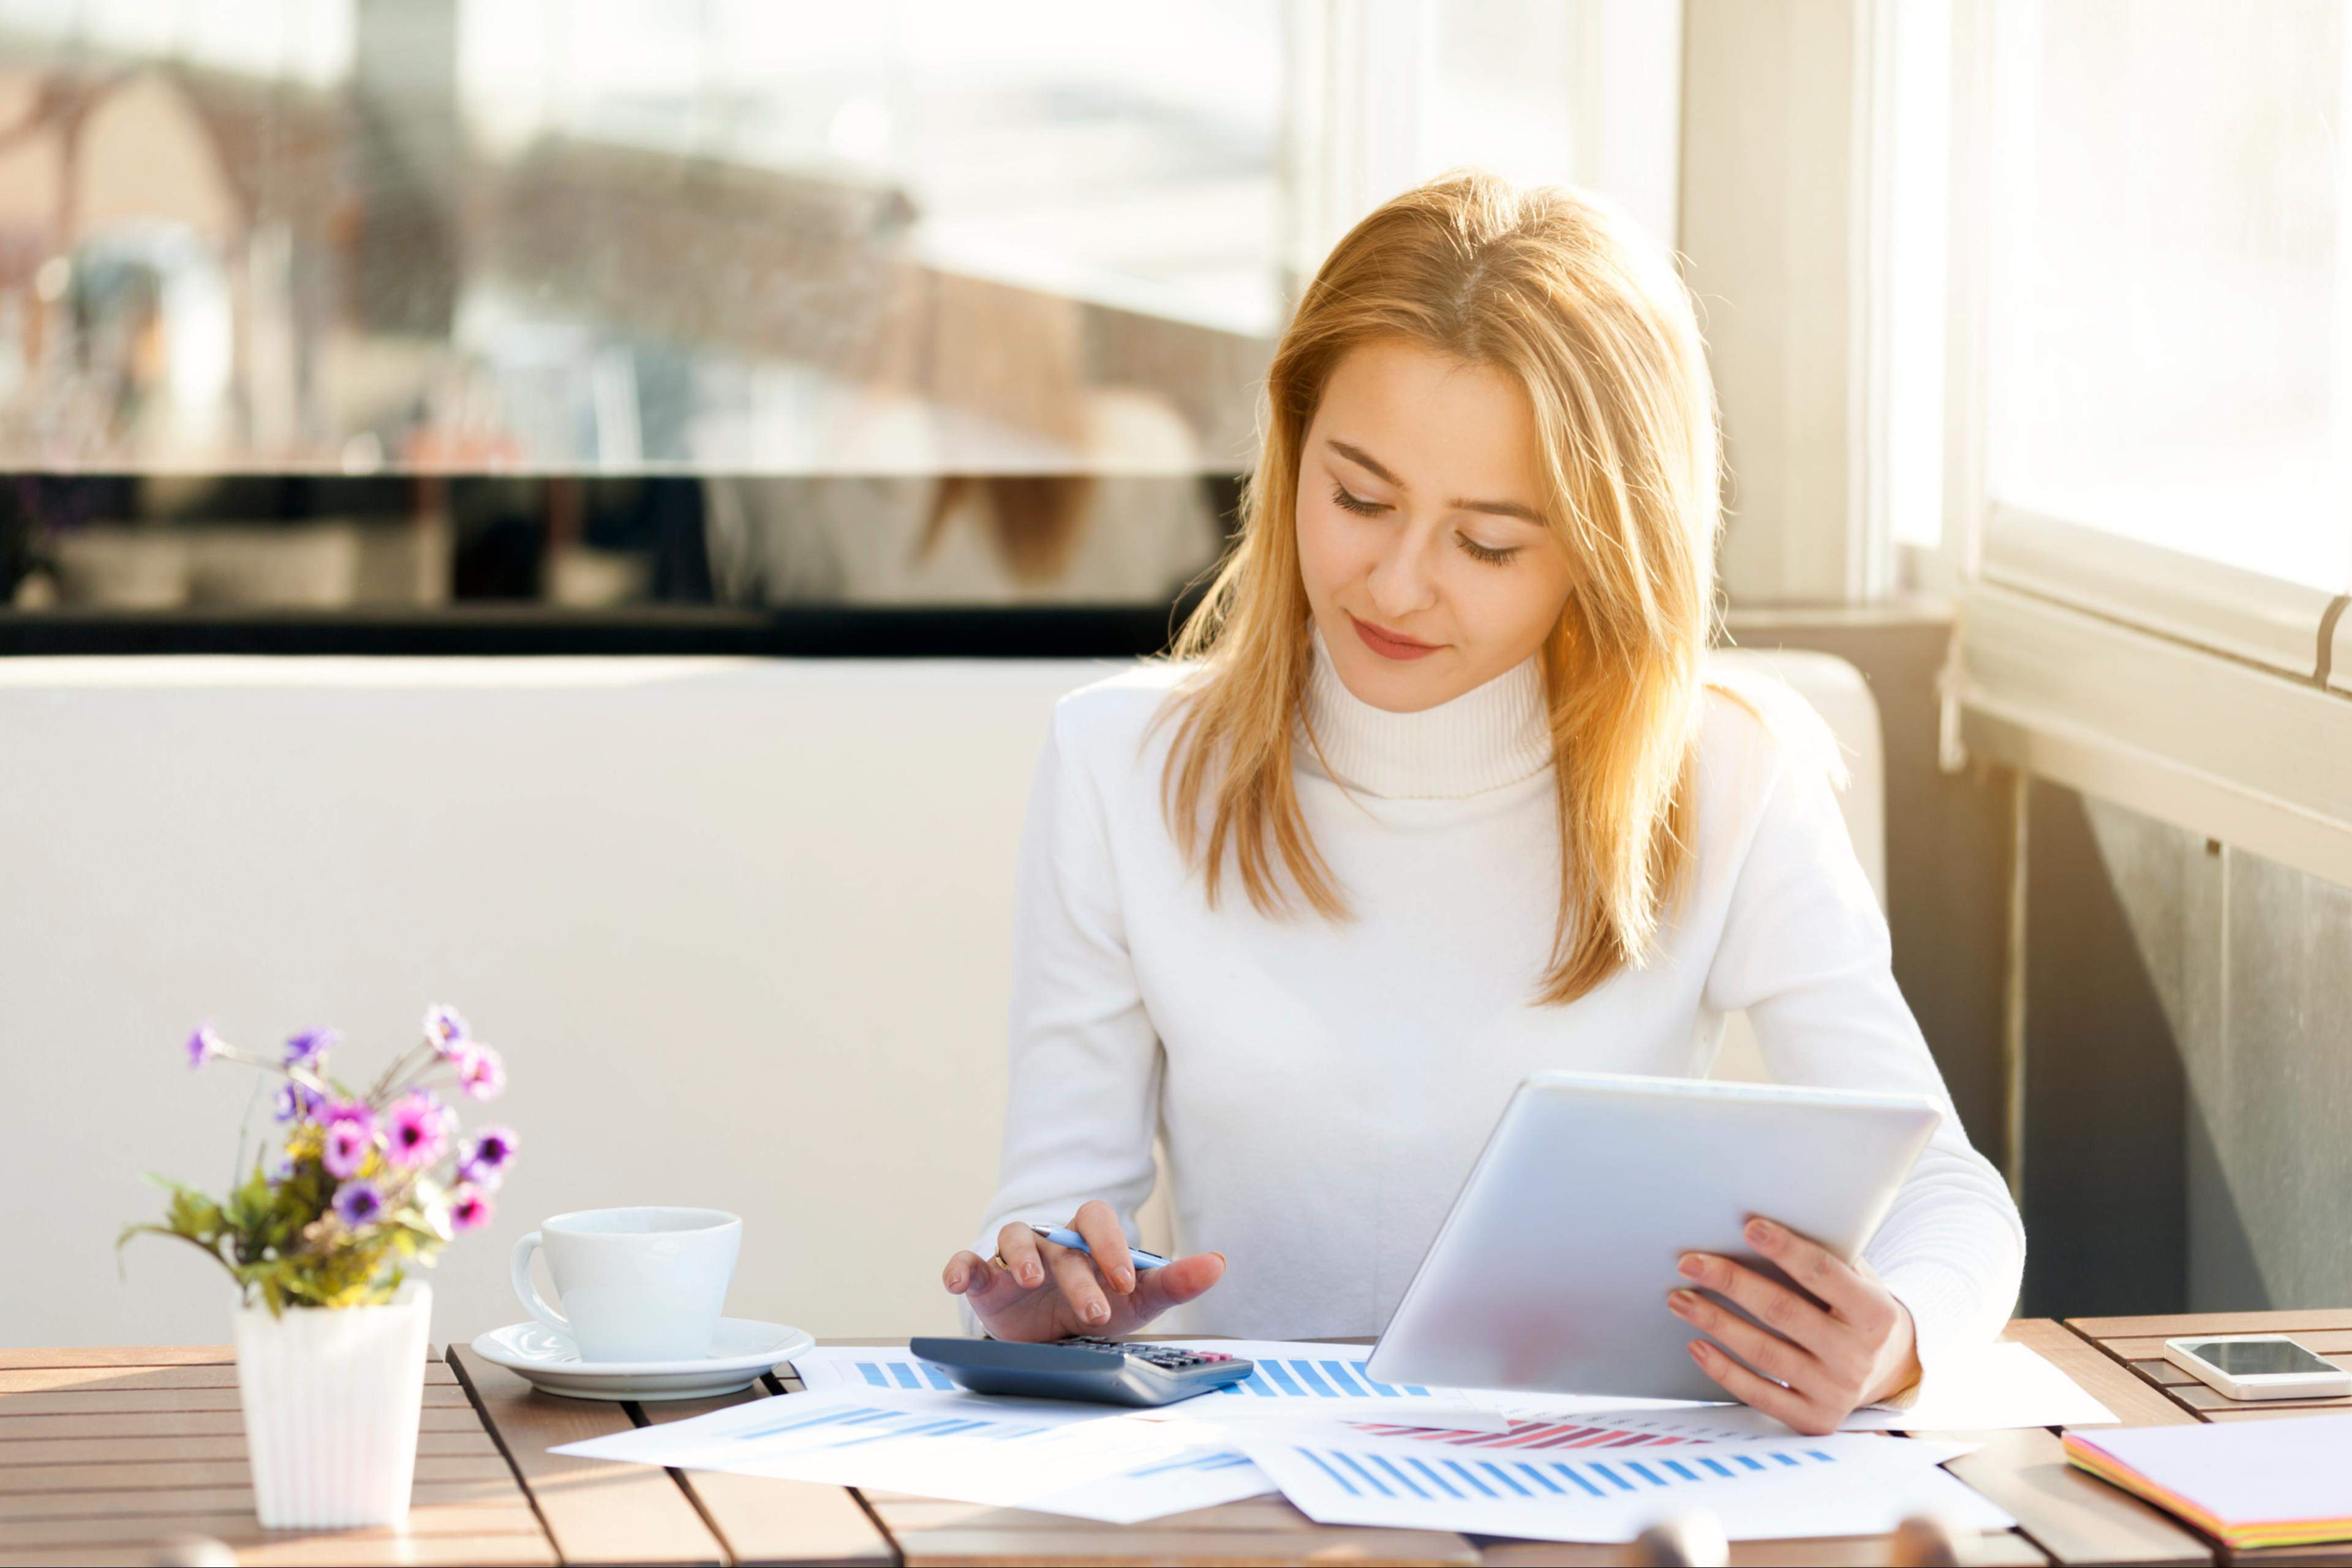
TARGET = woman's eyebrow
x,y
1364,459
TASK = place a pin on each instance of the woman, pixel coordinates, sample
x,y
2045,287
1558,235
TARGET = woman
x,y
1438,794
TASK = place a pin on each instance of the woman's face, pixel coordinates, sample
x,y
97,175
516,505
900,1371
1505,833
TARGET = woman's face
x,y
1427,564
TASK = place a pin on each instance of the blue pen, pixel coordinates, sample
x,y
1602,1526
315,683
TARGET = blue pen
x,y
1063,1236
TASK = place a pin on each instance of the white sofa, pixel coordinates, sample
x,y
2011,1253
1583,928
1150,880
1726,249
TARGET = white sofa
x,y
740,928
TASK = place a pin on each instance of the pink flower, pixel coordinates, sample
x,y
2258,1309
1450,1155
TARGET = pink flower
x,y
346,1148
445,1030
469,1207
479,1070
420,1129
203,1046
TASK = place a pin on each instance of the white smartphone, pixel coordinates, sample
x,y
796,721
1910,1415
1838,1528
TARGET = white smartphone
x,y
2257,1366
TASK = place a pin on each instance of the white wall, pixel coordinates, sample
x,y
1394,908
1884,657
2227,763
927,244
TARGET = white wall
x,y
740,928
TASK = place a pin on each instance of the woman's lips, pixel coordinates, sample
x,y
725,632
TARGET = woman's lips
x,y
1389,646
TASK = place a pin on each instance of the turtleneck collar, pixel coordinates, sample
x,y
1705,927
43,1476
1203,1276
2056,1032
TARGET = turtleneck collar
x,y
1490,736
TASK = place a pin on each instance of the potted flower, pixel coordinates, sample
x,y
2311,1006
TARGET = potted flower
x,y
331,1334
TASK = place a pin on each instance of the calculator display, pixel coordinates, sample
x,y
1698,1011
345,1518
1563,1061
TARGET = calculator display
x,y
2257,1358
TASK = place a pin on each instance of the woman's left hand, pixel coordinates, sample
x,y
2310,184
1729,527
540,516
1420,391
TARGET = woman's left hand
x,y
1830,1357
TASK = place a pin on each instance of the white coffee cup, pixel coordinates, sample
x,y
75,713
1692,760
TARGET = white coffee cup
x,y
636,1284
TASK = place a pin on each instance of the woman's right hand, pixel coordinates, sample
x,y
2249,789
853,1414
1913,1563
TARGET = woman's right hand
x,y
1036,1290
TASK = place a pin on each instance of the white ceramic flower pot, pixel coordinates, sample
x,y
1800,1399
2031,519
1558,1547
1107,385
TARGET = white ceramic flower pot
x,y
330,1399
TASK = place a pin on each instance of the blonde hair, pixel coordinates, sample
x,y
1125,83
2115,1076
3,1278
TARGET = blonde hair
x,y
1563,294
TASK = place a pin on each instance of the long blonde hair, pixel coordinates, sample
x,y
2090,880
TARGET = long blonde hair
x,y
1566,296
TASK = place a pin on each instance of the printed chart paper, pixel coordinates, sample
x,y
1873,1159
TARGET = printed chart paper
x,y
825,1367
1296,1377
1004,1453
1610,1429
1841,1485
1293,1378
2004,1385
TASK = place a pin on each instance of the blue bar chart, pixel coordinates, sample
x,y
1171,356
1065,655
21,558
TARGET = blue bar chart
x,y
1297,1377
1846,1484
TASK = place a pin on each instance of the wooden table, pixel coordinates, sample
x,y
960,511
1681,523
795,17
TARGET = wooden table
x,y
105,1454
2138,1344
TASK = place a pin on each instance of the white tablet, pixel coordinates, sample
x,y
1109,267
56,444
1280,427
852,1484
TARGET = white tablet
x,y
1551,1271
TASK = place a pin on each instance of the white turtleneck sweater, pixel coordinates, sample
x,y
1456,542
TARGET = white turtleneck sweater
x,y
1323,1087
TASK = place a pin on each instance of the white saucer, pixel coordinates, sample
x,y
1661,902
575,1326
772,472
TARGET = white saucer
x,y
739,1351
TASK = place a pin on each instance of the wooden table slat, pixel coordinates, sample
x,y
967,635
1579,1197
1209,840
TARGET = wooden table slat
x,y
2174,1325
327,1550
500,1490
164,1474
18,1427
239,1526
137,1358
96,1401
77,1450
762,1520
438,1379
594,1512
2070,1513
2330,1343
2202,1397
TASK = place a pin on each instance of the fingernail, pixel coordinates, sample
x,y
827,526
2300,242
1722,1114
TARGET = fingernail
x,y
1698,1352
955,1280
1032,1275
1218,1256
1125,1279
1763,1233
1691,1267
1097,1312
1681,1300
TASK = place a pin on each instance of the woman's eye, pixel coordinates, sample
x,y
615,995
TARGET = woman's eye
x,y
1355,503
1485,553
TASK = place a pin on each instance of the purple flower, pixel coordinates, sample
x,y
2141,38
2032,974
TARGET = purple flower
x,y
480,1071
305,1049
485,1158
203,1046
289,1104
346,1148
359,1204
444,1029
420,1129
469,1207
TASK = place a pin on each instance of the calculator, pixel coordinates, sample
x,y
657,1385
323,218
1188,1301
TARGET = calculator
x,y
1108,1371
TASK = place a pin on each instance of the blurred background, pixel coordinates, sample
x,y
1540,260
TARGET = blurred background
x,y
916,329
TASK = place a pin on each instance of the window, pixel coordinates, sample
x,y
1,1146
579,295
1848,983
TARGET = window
x,y
389,303
2170,340
747,304
2153,418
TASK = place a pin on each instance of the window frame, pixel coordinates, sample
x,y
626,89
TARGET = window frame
x,y
2204,695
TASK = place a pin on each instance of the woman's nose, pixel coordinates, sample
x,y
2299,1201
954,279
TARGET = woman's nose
x,y
1401,582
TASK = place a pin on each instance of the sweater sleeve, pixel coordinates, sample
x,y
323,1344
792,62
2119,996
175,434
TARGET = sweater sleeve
x,y
1805,950
1082,1096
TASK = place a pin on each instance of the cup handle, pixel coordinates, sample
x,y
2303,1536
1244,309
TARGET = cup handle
x,y
529,1292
